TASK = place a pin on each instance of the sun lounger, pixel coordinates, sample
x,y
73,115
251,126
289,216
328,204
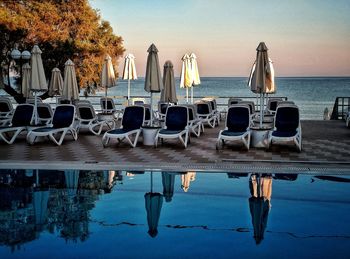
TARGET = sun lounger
x,y
204,112
6,111
45,113
214,109
132,121
272,104
194,122
87,119
21,119
237,126
62,123
287,127
176,125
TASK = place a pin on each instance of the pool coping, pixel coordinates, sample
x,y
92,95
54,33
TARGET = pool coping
x,y
232,166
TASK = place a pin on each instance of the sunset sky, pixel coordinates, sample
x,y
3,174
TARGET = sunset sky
x,y
305,38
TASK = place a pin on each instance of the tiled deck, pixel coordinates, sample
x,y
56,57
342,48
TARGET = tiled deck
x,y
326,147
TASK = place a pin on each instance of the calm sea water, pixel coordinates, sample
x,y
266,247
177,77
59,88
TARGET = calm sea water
x,y
311,94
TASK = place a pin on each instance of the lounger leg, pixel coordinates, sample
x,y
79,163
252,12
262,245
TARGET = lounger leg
x,y
156,141
105,140
13,138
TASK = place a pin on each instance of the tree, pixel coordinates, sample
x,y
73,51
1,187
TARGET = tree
x,y
63,29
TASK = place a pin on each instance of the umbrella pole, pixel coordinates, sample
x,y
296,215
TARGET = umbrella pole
x,y
192,94
106,100
128,92
187,95
151,109
35,109
261,109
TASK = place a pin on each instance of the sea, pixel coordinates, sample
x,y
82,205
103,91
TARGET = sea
x,y
312,94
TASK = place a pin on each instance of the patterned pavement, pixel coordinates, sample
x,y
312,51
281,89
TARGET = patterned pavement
x,y
326,145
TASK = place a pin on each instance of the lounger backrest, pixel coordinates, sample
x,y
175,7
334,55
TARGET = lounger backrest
x,y
63,116
44,110
23,115
190,114
5,105
64,101
176,118
287,118
163,107
272,103
133,117
250,104
86,111
203,108
110,104
238,118
233,101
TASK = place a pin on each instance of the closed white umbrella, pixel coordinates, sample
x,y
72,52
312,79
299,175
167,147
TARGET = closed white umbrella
x,y
38,79
195,74
153,78
168,93
129,71
70,85
56,83
186,74
26,71
107,75
261,79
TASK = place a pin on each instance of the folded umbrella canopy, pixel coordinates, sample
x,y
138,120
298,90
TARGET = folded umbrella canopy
x,y
37,76
56,83
153,79
70,85
107,75
261,79
168,93
26,71
195,74
129,71
186,74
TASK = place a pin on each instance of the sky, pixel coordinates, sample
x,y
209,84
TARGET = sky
x,y
305,38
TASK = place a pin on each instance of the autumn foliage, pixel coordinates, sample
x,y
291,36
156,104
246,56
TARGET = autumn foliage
x,y
63,29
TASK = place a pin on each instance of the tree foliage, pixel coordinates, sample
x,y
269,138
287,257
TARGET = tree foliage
x,y
63,29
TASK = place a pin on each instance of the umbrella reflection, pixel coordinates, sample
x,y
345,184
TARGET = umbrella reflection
x,y
259,203
109,177
153,204
72,179
40,201
186,179
168,181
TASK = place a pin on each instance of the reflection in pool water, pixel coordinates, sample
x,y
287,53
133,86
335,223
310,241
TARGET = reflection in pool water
x,y
204,213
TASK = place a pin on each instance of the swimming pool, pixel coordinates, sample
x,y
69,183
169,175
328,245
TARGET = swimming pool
x,y
172,214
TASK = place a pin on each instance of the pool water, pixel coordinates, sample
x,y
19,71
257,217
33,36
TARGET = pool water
x,y
108,214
